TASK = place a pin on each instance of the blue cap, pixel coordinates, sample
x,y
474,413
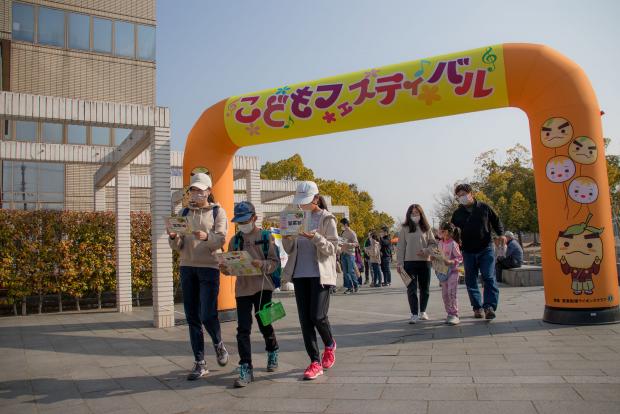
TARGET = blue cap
x,y
243,212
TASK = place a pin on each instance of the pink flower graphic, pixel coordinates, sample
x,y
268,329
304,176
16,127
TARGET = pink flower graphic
x,y
252,129
372,74
329,117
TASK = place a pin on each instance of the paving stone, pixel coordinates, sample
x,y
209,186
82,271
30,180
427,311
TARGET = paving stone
x,y
481,407
586,407
528,393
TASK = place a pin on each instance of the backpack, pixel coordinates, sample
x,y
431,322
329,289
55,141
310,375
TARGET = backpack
x,y
215,210
265,235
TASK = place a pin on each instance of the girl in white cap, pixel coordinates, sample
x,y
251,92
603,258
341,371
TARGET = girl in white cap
x,y
200,274
311,266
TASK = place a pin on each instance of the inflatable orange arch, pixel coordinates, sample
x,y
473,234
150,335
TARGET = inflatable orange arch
x,y
574,210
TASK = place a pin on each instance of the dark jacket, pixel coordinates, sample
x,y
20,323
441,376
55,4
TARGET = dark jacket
x,y
476,226
386,246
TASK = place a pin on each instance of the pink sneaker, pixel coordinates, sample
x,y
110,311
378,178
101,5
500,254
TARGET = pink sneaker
x,y
313,371
329,356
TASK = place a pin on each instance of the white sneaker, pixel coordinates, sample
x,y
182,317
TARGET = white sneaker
x,y
414,319
453,320
276,290
423,316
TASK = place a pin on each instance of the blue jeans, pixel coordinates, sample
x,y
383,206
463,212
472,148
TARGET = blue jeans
x,y
348,270
483,262
385,268
376,274
201,286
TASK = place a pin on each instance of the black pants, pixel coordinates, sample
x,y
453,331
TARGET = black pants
x,y
366,270
504,263
246,306
420,271
201,286
385,269
312,306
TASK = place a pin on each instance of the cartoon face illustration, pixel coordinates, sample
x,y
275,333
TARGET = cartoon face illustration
x,y
560,169
583,190
583,150
556,132
580,246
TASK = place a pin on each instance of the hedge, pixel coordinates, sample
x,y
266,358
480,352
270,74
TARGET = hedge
x,y
69,254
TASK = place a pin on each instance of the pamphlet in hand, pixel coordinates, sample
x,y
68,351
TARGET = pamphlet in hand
x,y
239,263
178,224
293,221
438,262
405,277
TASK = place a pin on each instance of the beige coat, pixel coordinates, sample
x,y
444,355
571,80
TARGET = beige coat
x,y
374,251
326,242
199,253
409,244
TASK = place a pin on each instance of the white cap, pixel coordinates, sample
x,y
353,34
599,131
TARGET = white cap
x,y
509,234
306,190
201,181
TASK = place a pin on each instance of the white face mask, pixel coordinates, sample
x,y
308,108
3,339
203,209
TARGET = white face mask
x,y
415,219
246,228
197,198
464,199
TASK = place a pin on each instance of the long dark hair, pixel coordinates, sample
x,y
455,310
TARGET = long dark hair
x,y
210,198
322,203
453,231
424,226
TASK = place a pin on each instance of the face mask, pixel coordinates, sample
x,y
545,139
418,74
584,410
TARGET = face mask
x,y
464,199
197,198
415,219
246,228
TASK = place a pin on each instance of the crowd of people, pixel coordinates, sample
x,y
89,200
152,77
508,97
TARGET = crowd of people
x,y
316,257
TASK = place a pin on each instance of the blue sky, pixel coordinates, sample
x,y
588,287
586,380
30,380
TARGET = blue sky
x,y
210,50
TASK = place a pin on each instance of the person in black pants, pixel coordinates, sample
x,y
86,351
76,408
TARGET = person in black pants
x,y
311,266
415,244
253,292
386,256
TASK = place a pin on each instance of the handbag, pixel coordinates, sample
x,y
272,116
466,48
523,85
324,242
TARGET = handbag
x,y
271,311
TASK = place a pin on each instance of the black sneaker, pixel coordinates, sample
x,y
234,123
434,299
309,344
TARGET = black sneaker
x,y
347,292
356,289
489,313
246,376
222,354
199,370
272,361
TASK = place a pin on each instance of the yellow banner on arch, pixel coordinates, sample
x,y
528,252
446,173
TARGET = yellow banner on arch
x,y
468,81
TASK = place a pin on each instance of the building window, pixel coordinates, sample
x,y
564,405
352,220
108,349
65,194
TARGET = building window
x,y
102,35
25,131
51,133
23,22
100,136
51,27
79,31
76,134
146,42
124,39
120,134
33,185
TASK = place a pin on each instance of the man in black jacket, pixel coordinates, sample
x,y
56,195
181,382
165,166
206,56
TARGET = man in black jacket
x,y
386,256
475,219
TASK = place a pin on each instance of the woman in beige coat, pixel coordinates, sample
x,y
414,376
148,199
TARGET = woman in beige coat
x,y
311,266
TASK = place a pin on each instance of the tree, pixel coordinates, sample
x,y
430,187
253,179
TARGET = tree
x,y
289,169
361,206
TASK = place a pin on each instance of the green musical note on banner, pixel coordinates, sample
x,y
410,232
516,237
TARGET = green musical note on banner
x,y
489,58
289,122
420,71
